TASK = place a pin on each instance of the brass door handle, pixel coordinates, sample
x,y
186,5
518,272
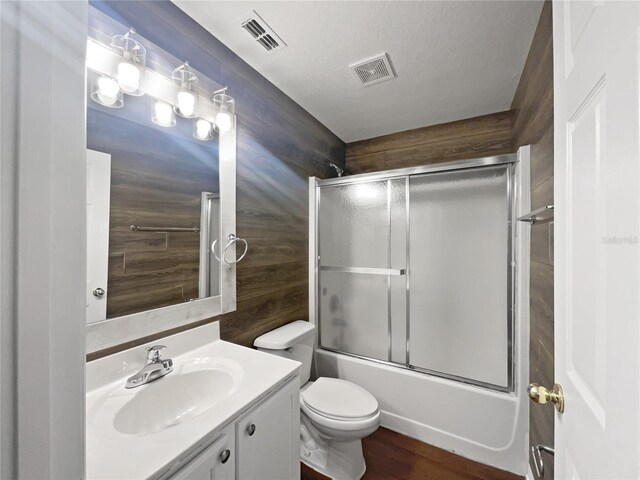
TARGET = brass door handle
x,y
542,395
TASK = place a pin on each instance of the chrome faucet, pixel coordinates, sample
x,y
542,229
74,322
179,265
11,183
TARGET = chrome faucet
x,y
155,368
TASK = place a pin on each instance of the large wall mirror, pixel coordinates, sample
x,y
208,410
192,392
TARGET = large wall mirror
x,y
160,189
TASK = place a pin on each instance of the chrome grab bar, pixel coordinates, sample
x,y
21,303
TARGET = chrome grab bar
x,y
541,215
538,461
138,228
232,239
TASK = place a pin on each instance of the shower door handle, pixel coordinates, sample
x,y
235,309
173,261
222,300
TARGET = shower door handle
x,y
365,270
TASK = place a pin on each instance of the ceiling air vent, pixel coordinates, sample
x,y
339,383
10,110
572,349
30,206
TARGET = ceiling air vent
x,y
262,33
373,70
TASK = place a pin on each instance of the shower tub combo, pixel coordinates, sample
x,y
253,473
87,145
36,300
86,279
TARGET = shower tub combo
x,y
418,286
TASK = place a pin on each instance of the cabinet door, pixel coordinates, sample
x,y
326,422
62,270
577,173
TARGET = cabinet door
x,y
216,462
268,437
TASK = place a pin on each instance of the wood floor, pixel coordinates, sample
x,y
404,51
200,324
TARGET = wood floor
x,y
392,456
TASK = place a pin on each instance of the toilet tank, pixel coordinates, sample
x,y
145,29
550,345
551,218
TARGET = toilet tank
x,y
295,341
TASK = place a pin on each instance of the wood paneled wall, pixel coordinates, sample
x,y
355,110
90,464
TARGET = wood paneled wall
x,y
533,124
469,138
157,176
279,145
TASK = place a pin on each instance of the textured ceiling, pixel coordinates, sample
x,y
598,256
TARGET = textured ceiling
x,y
454,59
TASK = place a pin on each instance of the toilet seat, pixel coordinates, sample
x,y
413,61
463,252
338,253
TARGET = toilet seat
x,y
339,404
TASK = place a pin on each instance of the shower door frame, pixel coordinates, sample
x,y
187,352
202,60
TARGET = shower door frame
x,y
315,186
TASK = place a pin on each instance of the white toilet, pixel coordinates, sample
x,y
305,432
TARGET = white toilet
x,y
335,414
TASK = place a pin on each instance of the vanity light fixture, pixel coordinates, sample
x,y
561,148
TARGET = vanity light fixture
x,y
226,107
130,70
202,130
186,82
163,114
120,68
105,91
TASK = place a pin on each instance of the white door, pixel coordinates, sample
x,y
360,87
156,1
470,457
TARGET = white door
x,y
98,198
268,437
597,185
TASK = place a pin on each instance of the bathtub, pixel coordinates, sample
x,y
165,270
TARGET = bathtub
x,y
480,424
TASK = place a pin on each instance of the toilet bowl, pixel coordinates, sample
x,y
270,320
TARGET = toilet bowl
x,y
335,415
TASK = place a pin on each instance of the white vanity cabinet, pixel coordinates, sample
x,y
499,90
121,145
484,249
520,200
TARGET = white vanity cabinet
x,y
216,462
268,437
263,443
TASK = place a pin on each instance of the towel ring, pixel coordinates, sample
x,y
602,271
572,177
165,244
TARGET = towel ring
x,y
230,241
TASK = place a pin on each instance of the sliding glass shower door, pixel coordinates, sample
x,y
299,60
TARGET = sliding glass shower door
x,y
416,270
360,267
460,263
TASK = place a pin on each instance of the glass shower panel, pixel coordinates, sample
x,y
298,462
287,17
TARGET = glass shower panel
x,y
398,254
362,264
354,225
354,313
459,257
398,331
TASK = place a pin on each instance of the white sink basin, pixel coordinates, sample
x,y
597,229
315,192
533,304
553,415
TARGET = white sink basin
x,y
173,399
194,388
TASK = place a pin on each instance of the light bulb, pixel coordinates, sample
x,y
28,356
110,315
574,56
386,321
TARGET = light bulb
x,y
107,91
186,103
365,192
224,121
203,129
163,114
128,77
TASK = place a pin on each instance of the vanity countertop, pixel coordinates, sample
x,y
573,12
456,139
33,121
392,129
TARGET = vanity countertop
x,y
127,432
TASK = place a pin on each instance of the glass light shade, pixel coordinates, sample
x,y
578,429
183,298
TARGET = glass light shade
x,y
105,91
226,106
130,70
163,114
186,83
202,130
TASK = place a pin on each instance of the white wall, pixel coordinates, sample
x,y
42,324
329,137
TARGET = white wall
x,y
42,223
8,92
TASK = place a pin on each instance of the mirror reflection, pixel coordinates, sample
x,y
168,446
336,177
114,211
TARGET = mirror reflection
x,y
153,200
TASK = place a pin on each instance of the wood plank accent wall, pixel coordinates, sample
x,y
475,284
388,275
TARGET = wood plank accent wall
x,y
463,139
279,145
533,124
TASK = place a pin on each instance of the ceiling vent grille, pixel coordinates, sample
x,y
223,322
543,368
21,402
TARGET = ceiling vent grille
x,y
373,70
262,33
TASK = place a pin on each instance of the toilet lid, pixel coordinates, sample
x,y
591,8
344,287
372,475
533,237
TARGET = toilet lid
x,y
340,399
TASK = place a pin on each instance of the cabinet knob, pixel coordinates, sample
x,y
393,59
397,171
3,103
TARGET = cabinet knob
x,y
224,456
98,292
251,429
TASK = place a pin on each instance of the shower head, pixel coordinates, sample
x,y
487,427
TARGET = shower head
x,y
337,169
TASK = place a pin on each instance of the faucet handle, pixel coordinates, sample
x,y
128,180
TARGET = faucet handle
x,y
153,354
